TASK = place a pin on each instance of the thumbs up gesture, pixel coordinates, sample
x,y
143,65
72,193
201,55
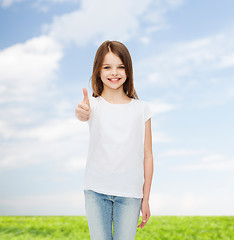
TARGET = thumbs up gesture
x,y
83,109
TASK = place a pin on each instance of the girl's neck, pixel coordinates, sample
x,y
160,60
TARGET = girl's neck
x,y
115,97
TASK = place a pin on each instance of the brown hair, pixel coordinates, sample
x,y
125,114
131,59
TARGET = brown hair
x,y
122,52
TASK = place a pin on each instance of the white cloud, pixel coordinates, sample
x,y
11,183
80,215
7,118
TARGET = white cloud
x,y
197,70
183,58
158,106
145,40
73,203
59,1
160,137
8,3
182,152
65,203
175,3
50,130
209,162
190,203
94,23
227,165
28,68
213,162
74,164
99,20
56,140
45,5
190,67
227,60
156,14
213,157
40,4
59,153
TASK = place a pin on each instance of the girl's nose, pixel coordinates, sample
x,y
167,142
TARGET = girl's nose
x,y
114,71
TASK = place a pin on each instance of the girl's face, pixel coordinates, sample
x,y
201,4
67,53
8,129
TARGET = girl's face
x,y
112,71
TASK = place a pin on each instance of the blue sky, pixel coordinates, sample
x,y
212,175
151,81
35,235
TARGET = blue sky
x,y
183,59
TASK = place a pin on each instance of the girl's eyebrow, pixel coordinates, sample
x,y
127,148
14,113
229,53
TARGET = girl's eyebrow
x,y
110,64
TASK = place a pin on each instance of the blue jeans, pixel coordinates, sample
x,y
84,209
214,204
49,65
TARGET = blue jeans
x,y
102,209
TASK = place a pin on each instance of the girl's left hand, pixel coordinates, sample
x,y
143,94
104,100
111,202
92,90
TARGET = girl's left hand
x,y
145,209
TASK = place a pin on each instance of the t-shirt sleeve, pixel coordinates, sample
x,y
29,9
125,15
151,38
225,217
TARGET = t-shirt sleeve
x,y
92,102
147,111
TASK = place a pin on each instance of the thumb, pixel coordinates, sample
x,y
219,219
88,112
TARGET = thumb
x,y
86,98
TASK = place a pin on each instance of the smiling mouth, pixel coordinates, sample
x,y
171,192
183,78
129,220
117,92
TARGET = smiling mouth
x,y
114,79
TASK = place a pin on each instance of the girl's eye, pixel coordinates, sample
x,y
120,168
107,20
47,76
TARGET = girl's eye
x,y
121,67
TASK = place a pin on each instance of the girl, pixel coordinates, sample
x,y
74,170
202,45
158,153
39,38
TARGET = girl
x,y
119,166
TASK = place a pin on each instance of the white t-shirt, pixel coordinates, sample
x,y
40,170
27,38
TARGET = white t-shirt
x,y
115,161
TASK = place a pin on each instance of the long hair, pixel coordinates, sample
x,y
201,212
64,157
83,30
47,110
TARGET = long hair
x,y
122,52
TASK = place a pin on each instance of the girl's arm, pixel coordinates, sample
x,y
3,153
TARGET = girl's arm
x,y
148,161
148,174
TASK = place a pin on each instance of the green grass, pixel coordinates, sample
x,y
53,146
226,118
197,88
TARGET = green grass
x,y
76,227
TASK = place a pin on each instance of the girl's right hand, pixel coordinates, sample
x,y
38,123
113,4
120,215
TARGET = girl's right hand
x,y
83,109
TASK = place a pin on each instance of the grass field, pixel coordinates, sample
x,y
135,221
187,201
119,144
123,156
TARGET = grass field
x,y
76,227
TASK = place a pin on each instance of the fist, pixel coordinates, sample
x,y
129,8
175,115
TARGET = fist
x,y
83,109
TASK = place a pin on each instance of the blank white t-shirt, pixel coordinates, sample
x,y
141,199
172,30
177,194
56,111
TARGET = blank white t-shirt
x,y
115,161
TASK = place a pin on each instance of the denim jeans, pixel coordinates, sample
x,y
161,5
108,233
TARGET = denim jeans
x,y
102,210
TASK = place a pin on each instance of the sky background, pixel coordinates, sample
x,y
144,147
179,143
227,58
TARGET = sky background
x,y
183,60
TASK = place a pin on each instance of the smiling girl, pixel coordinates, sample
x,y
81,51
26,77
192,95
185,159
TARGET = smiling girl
x,y
119,166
